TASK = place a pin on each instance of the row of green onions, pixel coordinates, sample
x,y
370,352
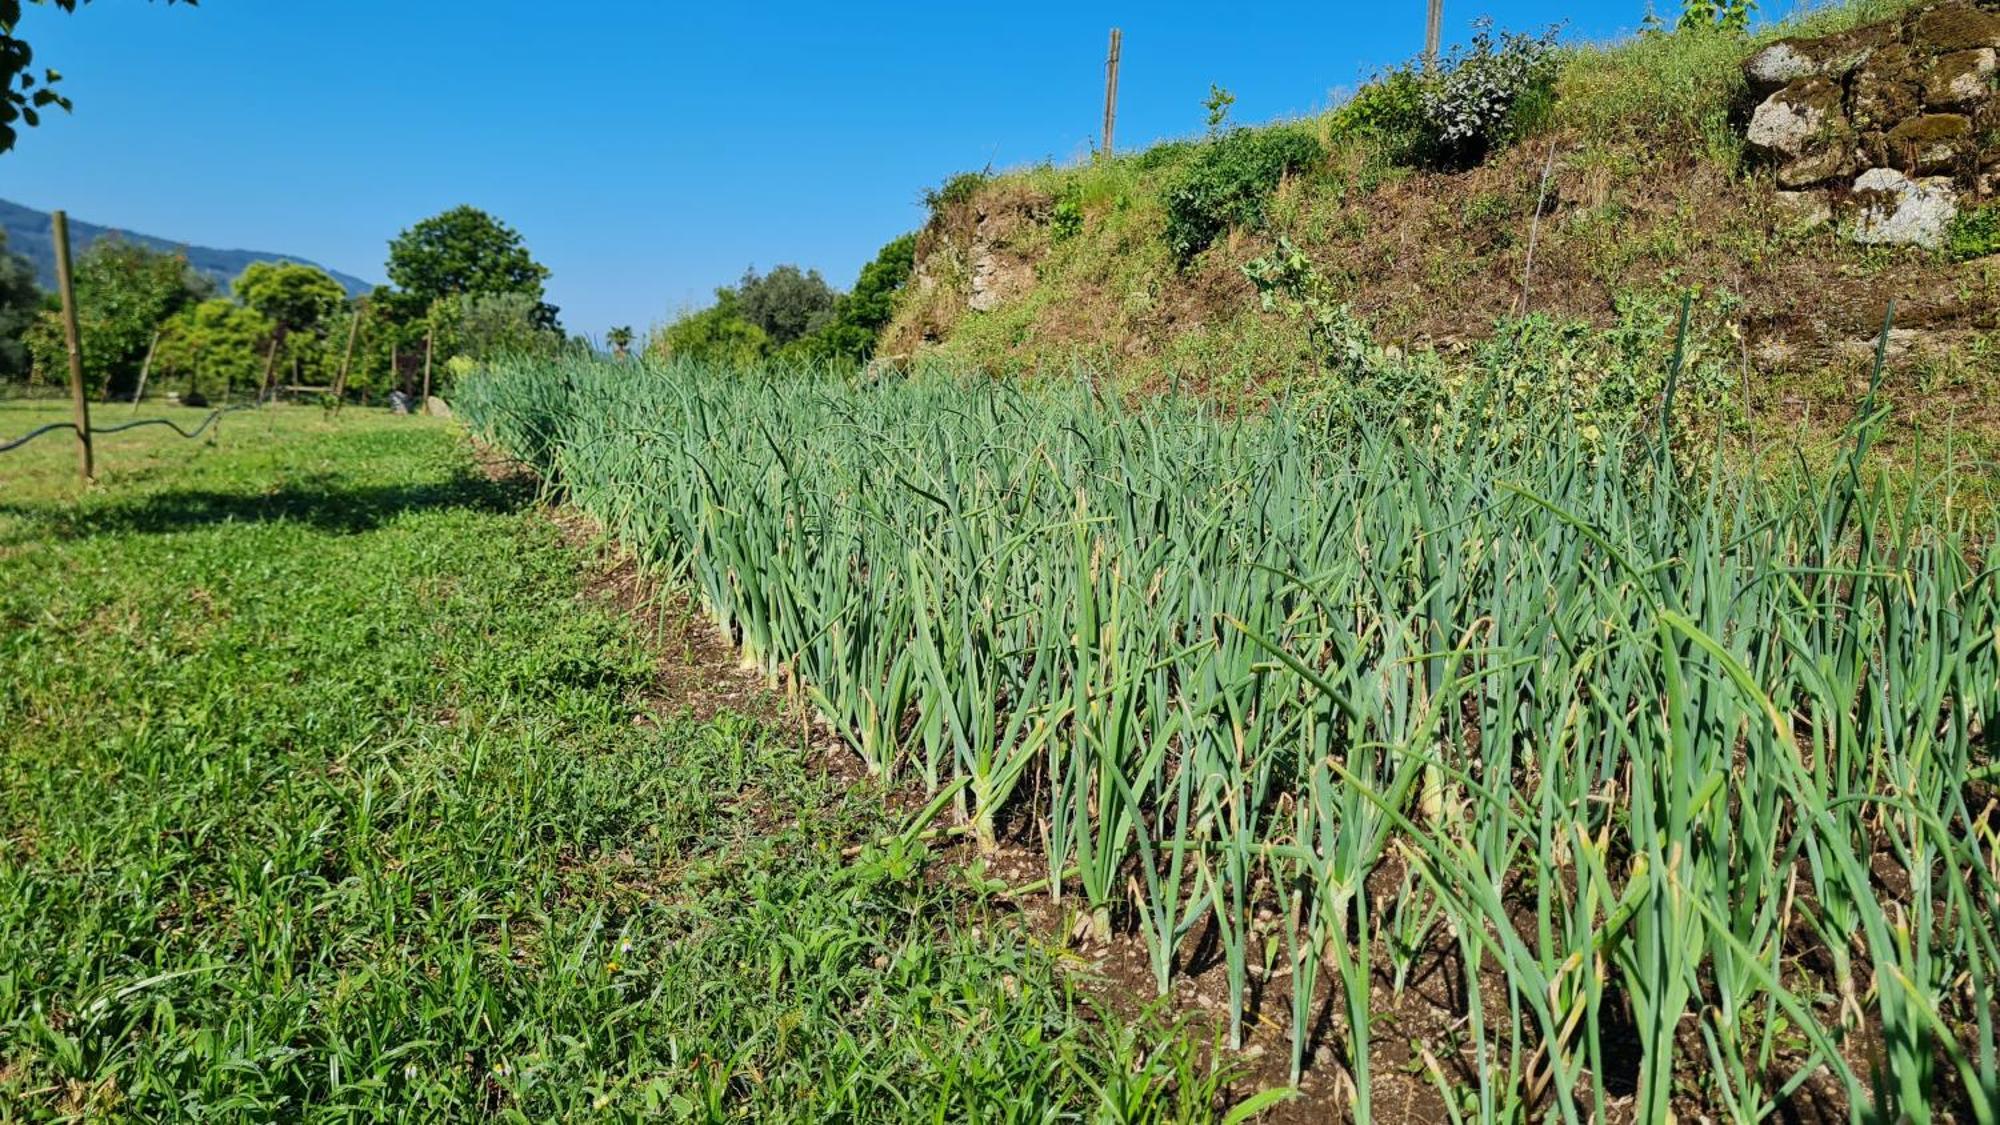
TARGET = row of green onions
x,y
1676,757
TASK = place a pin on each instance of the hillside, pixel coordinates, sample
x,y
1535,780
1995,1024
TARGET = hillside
x,y
1768,174
28,235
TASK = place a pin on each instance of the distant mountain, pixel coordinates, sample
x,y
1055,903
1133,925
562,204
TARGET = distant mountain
x,y
28,235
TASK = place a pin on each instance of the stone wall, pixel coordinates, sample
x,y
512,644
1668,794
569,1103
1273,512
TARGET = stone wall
x,y
1891,128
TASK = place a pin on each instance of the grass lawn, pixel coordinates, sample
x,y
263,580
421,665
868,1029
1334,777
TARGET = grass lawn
x,y
324,793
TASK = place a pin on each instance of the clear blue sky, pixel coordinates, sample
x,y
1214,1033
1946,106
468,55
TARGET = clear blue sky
x,y
647,151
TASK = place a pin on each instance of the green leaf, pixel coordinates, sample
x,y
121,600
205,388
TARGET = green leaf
x,y
1257,1103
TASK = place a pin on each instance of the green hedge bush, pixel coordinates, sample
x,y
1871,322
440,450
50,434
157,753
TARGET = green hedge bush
x,y
1228,181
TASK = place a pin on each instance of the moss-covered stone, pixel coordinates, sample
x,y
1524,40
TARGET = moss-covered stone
x,y
1885,91
1934,142
1831,56
1960,80
1824,163
1955,28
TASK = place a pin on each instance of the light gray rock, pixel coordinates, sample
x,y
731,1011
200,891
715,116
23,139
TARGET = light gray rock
x,y
1829,56
986,294
1894,210
1777,65
1795,119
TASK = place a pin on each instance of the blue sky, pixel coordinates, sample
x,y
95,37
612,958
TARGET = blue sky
x,y
646,151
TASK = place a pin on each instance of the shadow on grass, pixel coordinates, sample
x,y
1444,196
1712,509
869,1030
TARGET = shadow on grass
x,y
320,502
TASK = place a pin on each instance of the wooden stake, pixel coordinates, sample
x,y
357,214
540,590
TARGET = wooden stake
x,y
1433,31
270,367
1111,88
430,332
145,368
1534,229
73,337
346,360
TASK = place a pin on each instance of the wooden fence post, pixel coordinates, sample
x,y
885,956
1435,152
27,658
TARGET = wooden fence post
x,y
1111,88
73,337
430,333
347,360
270,367
145,369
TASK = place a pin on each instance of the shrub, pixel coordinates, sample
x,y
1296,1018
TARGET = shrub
x,y
715,335
20,300
1599,381
483,327
1228,182
1729,15
123,292
1479,98
1066,219
1975,233
1163,154
1616,378
1390,111
957,189
1488,94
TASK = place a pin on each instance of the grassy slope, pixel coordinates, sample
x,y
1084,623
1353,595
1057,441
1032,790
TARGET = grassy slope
x,y
1648,194
322,793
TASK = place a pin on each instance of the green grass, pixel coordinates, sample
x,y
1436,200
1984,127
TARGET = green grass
x,y
324,795
1682,86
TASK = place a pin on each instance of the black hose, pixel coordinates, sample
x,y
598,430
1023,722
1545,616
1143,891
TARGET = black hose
x,y
33,434
213,415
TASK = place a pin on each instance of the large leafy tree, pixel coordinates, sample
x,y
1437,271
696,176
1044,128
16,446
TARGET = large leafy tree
x,y
464,250
390,352
213,346
793,314
123,292
859,317
294,297
299,301
22,96
19,302
478,327
786,303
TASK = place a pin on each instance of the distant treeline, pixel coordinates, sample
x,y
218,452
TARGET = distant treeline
x,y
463,289
793,315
